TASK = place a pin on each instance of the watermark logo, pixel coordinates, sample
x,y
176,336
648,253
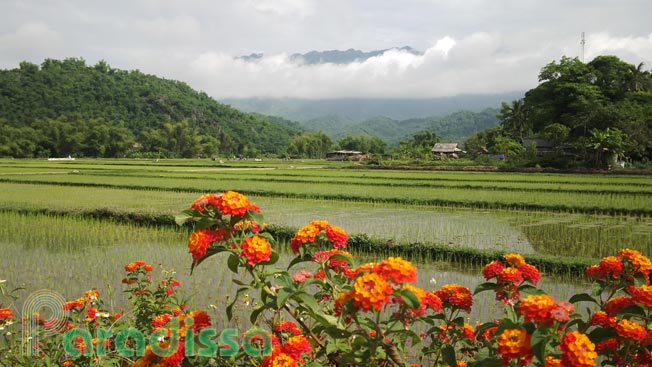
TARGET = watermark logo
x,y
42,308
44,315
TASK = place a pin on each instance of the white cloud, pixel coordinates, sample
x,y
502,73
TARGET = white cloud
x,y
30,40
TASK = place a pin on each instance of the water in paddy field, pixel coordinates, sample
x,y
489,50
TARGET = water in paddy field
x,y
70,256
454,227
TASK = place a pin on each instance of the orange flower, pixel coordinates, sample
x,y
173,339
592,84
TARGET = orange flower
x,y
577,350
514,344
131,267
537,308
297,345
642,294
601,318
205,202
641,263
232,203
370,290
256,249
278,359
6,313
631,330
305,234
611,266
200,240
337,236
70,305
514,259
553,362
456,296
288,326
397,270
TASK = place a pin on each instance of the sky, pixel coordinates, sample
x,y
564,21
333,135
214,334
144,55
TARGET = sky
x,y
468,46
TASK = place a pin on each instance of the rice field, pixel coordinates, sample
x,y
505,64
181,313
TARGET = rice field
x,y
562,215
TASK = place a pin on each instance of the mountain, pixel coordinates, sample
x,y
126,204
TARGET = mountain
x,y
359,109
62,108
455,127
333,56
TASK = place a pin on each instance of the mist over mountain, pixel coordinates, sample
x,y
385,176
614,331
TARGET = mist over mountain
x,y
359,109
334,56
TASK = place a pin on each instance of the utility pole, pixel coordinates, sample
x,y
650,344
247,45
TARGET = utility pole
x,y
582,43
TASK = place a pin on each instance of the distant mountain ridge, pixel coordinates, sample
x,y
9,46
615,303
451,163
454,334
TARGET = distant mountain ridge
x,y
359,109
333,56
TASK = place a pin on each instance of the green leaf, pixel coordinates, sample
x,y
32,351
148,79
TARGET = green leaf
x,y
233,262
487,362
183,217
481,329
530,289
539,342
229,308
299,259
281,296
256,216
209,252
273,259
629,311
488,286
306,300
409,298
582,297
255,313
337,333
448,355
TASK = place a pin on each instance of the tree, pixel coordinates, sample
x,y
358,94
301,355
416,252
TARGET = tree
x,y
607,145
514,119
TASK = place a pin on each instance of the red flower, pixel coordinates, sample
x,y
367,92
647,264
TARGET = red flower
x,y
492,269
631,330
337,236
200,240
288,326
510,275
530,273
614,305
6,313
456,296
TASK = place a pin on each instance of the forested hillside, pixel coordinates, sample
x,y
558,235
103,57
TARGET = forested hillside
x,y
594,113
62,108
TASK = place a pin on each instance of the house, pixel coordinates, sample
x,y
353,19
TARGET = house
x,y
541,146
345,155
446,150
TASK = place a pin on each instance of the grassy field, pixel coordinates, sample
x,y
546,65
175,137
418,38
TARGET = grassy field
x,y
90,205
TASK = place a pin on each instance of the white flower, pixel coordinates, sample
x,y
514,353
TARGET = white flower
x,y
433,280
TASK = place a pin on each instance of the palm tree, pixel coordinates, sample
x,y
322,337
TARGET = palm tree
x,y
514,119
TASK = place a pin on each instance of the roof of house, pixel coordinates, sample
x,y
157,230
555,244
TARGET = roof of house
x,y
446,148
538,142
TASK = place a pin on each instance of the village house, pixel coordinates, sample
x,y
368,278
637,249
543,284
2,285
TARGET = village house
x,y
446,150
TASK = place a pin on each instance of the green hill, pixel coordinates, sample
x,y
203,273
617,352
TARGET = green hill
x,y
63,108
455,127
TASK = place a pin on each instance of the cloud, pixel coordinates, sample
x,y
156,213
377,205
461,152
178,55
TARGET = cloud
x,y
30,40
469,65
